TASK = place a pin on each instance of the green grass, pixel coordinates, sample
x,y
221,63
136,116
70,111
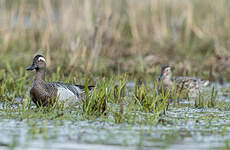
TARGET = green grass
x,y
111,97
109,45
112,102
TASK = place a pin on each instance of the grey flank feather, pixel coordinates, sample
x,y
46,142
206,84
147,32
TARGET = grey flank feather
x,y
76,89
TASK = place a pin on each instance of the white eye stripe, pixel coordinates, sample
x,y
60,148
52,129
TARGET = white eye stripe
x,y
41,58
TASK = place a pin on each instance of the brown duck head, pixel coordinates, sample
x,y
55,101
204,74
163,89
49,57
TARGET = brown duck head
x,y
166,72
39,64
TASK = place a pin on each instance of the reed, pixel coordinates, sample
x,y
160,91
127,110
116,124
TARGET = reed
x,y
99,35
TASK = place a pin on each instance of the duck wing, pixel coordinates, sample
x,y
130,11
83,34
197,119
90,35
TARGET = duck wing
x,y
75,89
191,82
82,87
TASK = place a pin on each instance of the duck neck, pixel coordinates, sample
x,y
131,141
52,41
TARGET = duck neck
x,y
167,79
40,74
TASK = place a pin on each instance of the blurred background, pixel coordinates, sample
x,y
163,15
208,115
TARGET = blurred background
x,y
104,37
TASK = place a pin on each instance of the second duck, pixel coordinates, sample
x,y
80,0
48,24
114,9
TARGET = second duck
x,y
191,85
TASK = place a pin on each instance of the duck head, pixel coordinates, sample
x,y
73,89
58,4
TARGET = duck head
x,y
166,72
39,63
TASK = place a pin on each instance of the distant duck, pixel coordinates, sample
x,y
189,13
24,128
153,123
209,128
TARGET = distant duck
x,y
192,85
46,93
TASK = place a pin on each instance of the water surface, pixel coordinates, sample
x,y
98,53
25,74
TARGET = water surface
x,y
184,127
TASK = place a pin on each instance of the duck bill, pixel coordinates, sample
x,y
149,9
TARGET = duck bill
x,y
32,67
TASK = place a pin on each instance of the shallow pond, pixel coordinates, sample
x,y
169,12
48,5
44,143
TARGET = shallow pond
x,y
183,127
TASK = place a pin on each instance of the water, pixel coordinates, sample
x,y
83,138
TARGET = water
x,y
184,128
188,134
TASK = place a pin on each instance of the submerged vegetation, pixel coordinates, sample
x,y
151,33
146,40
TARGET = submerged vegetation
x,y
117,46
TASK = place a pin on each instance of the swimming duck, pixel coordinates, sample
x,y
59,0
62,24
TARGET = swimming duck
x,y
46,93
191,85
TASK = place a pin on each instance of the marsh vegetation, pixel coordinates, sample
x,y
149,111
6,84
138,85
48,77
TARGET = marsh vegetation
x,y
119,47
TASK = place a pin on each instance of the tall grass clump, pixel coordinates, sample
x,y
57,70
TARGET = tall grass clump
x,y
120,99
95,102
204,100
12,87
149,100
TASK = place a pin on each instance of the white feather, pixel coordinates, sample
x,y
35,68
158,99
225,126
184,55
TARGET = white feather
x,y
41,58
66,96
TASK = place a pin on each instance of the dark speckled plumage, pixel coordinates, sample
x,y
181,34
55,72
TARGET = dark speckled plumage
x,y
43,93
192,85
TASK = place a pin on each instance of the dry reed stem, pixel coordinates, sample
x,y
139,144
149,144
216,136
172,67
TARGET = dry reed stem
x,y
86,30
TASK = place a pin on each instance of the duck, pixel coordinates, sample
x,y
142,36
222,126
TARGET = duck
x,y
190,85
47,93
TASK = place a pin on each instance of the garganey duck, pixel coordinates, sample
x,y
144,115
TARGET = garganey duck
x,y
191,85
46,93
